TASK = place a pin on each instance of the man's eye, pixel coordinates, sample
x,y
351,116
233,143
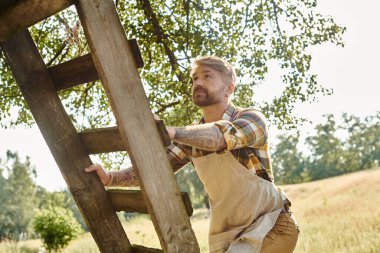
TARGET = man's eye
x,y
195,78
207,76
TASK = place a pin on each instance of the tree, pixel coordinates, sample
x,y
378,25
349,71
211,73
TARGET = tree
x,y
287,162
188,181
250,34
326,151
62,199
57,227
371,156
362,145
17,198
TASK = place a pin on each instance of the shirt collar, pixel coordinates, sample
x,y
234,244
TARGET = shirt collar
x,y
227,115
229,112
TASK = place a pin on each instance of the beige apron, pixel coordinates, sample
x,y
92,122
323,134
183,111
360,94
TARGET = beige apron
x,y
244,207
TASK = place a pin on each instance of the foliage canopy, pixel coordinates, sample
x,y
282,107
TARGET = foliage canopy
x,y
249,33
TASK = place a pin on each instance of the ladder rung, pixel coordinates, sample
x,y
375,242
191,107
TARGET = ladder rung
x,y
26,13
133,201
142,249
77,71
102,140
82,69
105,140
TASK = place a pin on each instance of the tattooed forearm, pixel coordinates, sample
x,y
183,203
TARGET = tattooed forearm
x,y
206,137
123,178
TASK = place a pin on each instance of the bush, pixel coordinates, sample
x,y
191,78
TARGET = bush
x,y
57,227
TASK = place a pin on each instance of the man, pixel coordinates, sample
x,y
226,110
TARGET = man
x,y
229,150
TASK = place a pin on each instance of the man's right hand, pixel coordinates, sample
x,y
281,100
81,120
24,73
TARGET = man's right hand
x,y
104,175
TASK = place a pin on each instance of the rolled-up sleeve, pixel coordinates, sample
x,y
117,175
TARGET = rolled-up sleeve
x,y
248,129
177,156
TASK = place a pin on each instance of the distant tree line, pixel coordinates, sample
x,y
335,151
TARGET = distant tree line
x,y
333,150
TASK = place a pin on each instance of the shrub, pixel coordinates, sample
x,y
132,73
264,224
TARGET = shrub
x,y
57,227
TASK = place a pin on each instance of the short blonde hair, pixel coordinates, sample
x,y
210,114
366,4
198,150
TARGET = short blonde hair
x,y
217,63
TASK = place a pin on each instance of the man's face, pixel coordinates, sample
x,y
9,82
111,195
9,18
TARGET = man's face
x,y
208,86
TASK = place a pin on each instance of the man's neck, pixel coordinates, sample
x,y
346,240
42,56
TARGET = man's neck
x,y
214,112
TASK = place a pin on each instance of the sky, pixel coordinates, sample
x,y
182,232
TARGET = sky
x,y
351,71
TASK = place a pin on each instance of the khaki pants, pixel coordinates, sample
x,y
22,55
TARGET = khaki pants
x,y
281,239
283,236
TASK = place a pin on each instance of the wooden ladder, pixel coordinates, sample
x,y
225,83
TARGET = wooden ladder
x,y
114,60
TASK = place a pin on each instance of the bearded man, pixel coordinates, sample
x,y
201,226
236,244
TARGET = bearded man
x,y
229,150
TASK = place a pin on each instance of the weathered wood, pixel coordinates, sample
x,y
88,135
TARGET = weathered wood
x,y
82,69
26,13
39,92
187,202
133,201
77,71
102,140
5,4
142,249
105,140
113,59
164,135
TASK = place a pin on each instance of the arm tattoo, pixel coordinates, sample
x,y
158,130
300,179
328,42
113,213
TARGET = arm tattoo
x,y
206,137
124,178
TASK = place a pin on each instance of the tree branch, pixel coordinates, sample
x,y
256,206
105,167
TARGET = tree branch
x,y
197,6
246,17
40,31
163,108
161,36
57,54
187,10
283,45
276,18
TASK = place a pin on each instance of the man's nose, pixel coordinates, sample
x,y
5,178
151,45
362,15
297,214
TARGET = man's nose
x,y
198,82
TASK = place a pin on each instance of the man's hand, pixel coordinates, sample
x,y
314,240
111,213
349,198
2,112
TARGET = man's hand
x,y
104,175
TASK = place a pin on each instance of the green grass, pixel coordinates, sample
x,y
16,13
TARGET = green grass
x,y
140,231
336,215
30,246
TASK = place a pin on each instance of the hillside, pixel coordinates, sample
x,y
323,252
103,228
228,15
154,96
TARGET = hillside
x,y
336,215
339,214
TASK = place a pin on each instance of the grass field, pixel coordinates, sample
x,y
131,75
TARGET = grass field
x,y
336,215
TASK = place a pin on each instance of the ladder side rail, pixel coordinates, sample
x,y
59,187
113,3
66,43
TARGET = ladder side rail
x,y
60,135
114,61
5,4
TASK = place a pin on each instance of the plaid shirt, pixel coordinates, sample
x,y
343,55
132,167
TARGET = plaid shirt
x,y
246,135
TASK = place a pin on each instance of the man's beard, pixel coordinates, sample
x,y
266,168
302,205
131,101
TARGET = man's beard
x,y
205,98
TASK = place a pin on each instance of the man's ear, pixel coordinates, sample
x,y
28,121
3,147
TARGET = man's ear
x,y
230,89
